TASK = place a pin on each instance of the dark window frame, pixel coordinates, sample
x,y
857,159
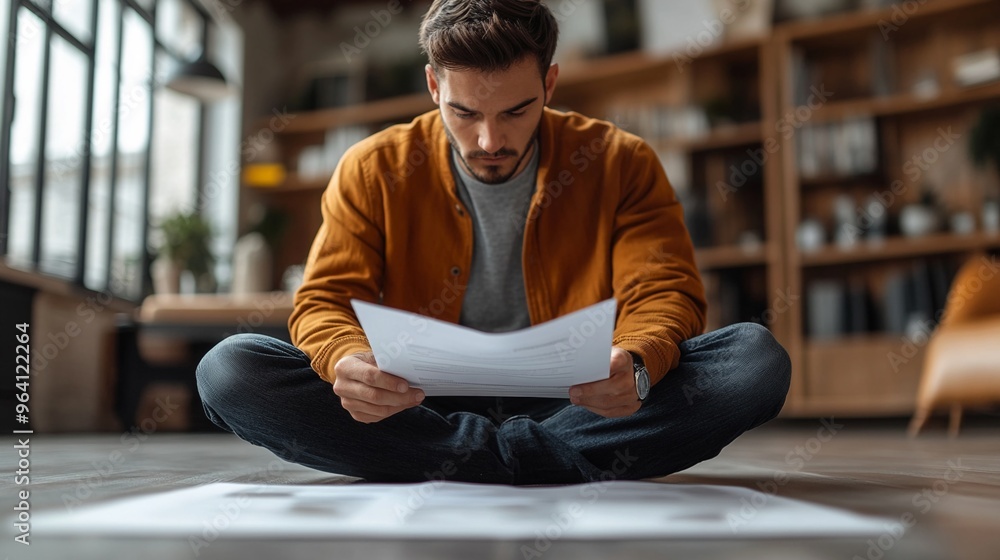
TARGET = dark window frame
x,y
89,49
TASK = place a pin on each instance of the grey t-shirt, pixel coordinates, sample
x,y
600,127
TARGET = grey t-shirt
x,y
494,298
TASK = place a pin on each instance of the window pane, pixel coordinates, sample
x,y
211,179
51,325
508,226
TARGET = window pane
x,y
133,139
179,27
137,52
147,4
175,151
75,16
24,136
128,224
64,142
95,276
4,22
220,191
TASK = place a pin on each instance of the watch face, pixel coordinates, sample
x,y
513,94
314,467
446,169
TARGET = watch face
x,y
642,383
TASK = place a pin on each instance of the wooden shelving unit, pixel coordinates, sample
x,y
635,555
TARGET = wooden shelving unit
x,y
904,103
846,375
900,248
640,90
859,373
382,111
730,136
731,257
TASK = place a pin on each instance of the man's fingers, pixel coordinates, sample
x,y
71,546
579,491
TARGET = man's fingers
x,y
604,389
621,360
356,407
366,418
364,372
354,390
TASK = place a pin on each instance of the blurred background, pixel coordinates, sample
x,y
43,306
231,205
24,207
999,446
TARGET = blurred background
x,y
163,163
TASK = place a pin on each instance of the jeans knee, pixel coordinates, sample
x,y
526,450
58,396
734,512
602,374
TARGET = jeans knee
x,y
766,359
226,367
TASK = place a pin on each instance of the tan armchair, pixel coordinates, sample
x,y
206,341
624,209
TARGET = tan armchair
x,y
962,366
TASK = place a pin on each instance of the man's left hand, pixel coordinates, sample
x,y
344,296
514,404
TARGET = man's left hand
x,y
613,397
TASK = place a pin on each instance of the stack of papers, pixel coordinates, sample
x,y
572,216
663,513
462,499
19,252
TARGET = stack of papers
x,y
448,359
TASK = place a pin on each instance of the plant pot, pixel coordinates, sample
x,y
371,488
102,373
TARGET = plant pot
x,y
166,275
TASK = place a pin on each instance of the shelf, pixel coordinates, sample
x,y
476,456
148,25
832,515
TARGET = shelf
x,y
843,376
613,68
900,247
888,406
729,136
840,180
870,19
730,256
903,103
294,183
374,112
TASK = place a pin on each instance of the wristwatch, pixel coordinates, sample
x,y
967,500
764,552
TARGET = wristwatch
x,y
641,376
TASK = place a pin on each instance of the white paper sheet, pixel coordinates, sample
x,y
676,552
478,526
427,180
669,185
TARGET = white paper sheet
x,y
447,359
449,510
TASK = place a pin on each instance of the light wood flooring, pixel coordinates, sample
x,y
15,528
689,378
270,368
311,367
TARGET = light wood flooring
x,y
869,466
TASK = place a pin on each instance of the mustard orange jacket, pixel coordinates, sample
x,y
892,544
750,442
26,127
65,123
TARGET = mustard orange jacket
x,y
603,221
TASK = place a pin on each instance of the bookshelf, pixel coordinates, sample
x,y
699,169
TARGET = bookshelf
x,y
750,166
703,115
873,364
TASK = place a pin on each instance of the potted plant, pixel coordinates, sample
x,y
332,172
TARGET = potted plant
x,y
984,148
185,246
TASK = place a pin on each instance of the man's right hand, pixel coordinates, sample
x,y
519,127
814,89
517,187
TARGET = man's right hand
x,y
369,393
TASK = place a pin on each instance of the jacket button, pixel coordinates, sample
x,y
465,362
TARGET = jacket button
x,y
458,207
455,271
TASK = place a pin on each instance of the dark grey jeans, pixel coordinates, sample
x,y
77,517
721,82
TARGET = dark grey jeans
x,y
728,381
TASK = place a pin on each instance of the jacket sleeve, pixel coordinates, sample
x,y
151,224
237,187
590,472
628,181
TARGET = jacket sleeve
x,y
661,299
346,261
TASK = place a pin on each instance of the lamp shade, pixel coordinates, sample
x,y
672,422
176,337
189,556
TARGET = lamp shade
x,y
200,79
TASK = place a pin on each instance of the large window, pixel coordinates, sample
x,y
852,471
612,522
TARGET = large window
x,y
95,151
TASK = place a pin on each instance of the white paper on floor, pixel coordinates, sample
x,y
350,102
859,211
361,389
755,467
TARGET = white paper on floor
x,y
450,510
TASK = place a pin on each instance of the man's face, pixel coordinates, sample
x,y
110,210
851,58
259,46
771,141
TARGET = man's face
x,y
491,118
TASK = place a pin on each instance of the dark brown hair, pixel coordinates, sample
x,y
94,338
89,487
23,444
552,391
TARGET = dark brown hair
x,y
488,35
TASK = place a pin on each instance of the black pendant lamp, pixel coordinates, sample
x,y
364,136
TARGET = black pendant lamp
x,y
200,79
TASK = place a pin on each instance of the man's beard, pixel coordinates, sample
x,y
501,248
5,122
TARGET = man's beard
x,y
494,177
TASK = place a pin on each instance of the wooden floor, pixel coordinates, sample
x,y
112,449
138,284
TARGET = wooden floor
x,y
867,466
